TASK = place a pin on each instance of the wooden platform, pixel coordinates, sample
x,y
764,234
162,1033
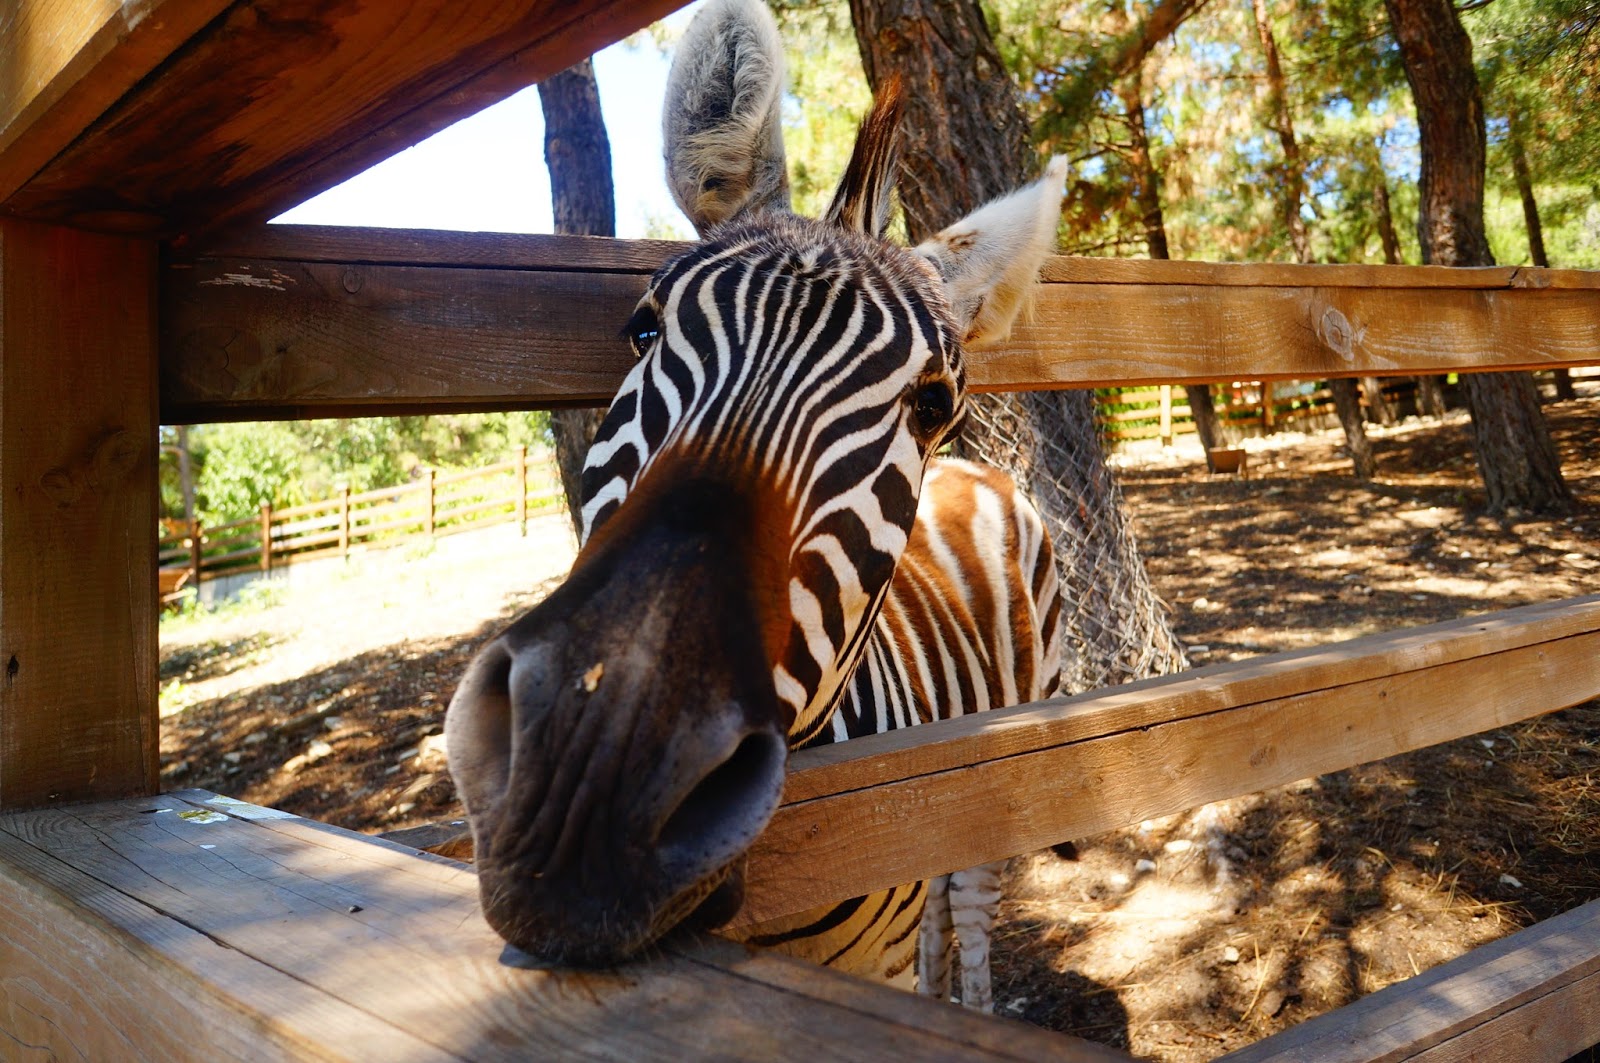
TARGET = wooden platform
x,y
195,927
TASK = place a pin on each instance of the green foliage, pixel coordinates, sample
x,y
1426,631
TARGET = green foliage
x,y
1219,166
828,97
243,465
240,466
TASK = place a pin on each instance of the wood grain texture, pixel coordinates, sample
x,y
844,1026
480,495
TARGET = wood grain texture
x,y
372,933
311,321
907,805
64,62
1533,996
78,524
89,973
276,100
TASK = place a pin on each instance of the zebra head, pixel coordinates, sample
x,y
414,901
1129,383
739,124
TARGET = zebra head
x,y
746,501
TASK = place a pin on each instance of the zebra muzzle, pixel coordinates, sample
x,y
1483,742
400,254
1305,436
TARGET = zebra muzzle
x,y
619,748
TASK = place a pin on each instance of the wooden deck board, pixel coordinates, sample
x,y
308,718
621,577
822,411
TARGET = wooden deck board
x,y
201,928
317,321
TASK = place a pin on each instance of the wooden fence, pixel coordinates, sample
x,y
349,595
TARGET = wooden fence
x,y
436,504
1151,412
110,915
193,927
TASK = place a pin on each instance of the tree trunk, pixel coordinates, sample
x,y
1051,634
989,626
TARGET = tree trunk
x,y
966,142
186,473
578,154
1346,400
1515,454
1147,194
1430,389
1386,233
1530,215
1347,403
1282,123
1378,404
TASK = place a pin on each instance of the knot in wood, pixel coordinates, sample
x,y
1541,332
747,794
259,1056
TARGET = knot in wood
x,y
1338,334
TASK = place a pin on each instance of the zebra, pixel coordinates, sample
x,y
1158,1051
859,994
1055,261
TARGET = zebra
x,y
773,554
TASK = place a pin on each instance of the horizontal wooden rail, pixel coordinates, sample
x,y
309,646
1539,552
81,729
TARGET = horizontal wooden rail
x,y
1534,995
905,805
297,322
196,928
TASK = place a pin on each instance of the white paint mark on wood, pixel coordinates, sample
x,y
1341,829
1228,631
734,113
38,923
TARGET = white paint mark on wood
x,y
245,810
275,279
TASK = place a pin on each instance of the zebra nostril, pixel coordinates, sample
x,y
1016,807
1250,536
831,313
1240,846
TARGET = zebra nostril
x,y
725,811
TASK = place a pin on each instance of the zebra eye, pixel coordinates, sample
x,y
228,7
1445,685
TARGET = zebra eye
x,y
642,330
932,407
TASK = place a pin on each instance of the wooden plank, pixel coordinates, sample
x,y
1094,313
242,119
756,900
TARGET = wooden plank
x,y
254,341
1084,335
295,322
1533,996
78,525
89,973
366,949
1286,275
275,100
64,62
399,247
913,803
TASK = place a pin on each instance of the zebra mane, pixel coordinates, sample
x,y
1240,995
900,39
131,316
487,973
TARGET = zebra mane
x,y
863,199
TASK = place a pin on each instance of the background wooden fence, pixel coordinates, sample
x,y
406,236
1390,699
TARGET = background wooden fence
x,y
436,504
1161,412
1155,412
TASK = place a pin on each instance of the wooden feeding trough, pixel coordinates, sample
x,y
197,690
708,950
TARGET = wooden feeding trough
x,y
141,148
1228,461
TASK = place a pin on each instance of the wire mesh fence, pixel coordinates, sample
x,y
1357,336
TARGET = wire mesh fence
x,y
1114,627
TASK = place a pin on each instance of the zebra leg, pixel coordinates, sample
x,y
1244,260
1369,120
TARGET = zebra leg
x,y
935,940
974,904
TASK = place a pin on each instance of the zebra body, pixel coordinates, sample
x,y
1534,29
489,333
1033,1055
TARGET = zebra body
x,y
970,623
772,556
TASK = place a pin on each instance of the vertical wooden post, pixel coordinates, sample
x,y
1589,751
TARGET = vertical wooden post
x,y
522,489
432,501
1266,407
344,520
78,529
196,556
1166,415
266,536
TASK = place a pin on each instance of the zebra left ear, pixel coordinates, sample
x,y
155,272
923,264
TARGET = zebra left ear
x,y
863,198
990,259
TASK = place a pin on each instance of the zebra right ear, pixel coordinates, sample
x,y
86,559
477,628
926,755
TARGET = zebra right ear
x,y
721,128
990,259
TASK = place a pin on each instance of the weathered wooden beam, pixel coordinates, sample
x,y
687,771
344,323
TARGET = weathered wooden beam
x,y
1533,997
78,523
186,115
191,927
292,322
918,802
63,63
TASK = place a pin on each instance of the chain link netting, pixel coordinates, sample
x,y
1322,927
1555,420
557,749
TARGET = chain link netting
x,y
1114,627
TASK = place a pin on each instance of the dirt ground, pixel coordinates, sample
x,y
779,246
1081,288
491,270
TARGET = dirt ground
x,y
1178,939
